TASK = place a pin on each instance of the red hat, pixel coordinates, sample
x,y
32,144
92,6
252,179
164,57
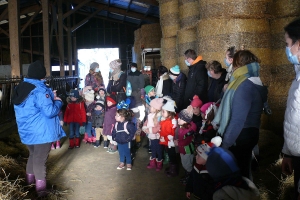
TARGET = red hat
x,y
111,99
196,102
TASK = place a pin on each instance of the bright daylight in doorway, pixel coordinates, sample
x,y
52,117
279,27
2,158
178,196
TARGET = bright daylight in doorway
x,y
103,56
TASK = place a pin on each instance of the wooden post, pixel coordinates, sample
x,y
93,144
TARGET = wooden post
x,y
75,56
61,39
14,37
70,44
46,38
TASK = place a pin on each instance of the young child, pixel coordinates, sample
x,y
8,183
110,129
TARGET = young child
x,y
97,121
109,121
89,97
101,95
185,141
151,127
75,116
56,144
228,181
123,133
167,134
200,183
150,94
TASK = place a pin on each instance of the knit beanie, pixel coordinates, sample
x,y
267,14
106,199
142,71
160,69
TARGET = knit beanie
x,y
149,88
221,164
196,102
89,95
74,93
175,70
94,65
112,99
100,103
36,70
102,90
134,65
124,104
204,149
115,64
169,106
157,103
186,114
206,108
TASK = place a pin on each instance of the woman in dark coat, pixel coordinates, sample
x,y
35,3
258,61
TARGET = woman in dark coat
x,y
164,84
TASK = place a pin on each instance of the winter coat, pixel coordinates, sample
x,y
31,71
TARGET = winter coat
x,y
153,131
118,87
97,120
75,111
185,142
89,108
137,80
166,87
123,135
215,88
197,82
109,120
37,113
90,80
166,129
200,183
178,88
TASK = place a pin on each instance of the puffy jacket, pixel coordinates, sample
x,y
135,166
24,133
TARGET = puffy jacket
x,y
184,140
89,109
109,120
91,80
75,111
166,129
197,82
123,135
178,89
215,89
137,80
97,120
37,113
118,87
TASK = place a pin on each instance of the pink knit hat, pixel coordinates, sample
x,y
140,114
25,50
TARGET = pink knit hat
x,y
157,103
205,107
196,102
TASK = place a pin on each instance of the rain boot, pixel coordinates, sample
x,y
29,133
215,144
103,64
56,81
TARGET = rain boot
x,y
77,142
173,171
90,140
85,138
30,179
52,146
105,144
152,163
166,158
40,188
159,165
97,144
58,144
72,144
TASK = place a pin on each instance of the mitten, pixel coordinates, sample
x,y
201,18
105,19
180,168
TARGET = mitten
x,y
170,142
174,122
61,123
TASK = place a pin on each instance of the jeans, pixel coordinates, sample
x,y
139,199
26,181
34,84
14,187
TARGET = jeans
x,y
74,130
124,152
36,164
88,129
156,149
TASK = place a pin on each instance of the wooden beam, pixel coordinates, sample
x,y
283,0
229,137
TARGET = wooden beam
x,y
148,2
82,22
70,45
29,21
46,38
76,8
4,14
61,39
4,31
128,5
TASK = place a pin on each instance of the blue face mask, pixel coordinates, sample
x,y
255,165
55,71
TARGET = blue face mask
x,y
187,63
208,73
97,70
133,69
111,70
292,58
226,63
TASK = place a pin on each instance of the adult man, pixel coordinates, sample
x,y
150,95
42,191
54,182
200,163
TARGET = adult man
x,y
137,80
197,80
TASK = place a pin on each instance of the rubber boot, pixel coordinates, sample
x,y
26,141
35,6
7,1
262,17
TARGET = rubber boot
x,y
58,144
97,144
72,144
152,163
85,138
105,144
77,142
52,146
159,165
30,179
173,171
40,188
90,140
94,139
166,158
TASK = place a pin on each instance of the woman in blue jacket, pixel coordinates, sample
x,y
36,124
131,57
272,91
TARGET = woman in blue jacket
x,y
37,108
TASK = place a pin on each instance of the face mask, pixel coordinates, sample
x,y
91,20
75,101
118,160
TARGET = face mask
x,y
133,69
172,77
208,73
292,58
226,63
111,70
187,63
97,70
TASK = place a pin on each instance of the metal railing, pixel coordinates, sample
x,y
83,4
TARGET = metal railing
x,y
7,85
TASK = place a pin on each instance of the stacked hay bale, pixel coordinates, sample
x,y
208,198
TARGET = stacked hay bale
x,y
188,13
169,21
284,12
137,47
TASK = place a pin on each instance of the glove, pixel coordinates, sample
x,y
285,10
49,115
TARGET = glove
x,y
170,142
174,122
61,123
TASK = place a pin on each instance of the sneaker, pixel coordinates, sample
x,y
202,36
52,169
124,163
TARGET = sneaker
x,y
121,166
96,146
111,151
128,166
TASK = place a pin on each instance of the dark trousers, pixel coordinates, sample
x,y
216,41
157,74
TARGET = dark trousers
x,y
36,164
296,165
156,149
242,150
172,154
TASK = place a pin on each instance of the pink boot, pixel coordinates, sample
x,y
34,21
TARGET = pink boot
x,y
90,140
159,165
58,144
85,139
94,139
152,163
52,146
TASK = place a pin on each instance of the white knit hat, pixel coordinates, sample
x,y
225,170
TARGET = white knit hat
x,y
89,95
169,106
115,64
204,148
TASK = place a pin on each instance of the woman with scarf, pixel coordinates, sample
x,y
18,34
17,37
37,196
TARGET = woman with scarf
x,y
238,117
94,77
164,84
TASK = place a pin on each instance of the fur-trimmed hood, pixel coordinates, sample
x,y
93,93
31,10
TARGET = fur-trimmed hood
x,y
80,99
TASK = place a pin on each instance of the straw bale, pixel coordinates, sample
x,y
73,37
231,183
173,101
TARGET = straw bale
x,y
169,63
186,39
168,8
183,67
246,9
286,8
188,13
169,18
168,43
137,39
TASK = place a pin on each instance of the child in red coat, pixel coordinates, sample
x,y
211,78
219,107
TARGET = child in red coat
x,y
167,134
75,116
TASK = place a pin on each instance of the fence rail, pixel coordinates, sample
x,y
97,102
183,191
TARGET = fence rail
x,y
7,85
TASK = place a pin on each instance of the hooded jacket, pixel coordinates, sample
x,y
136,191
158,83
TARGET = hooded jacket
x,y
215,89
197,82
37,113
109,120
75,111
178,87
137,80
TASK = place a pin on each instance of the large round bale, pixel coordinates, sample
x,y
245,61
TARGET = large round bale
x,y
245,9
186,39
188,13
286,8
137,41
151,35
168,52
169,17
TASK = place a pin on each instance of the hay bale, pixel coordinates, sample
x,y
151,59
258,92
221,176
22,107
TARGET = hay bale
x,y
168,52
188,13
245,9
137,41
150,35
286,8
169,17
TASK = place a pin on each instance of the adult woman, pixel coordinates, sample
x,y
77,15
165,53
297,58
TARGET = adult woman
x,y
239,114
291,146
94,77
117,80
164,84
217,81
228,61
137,80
